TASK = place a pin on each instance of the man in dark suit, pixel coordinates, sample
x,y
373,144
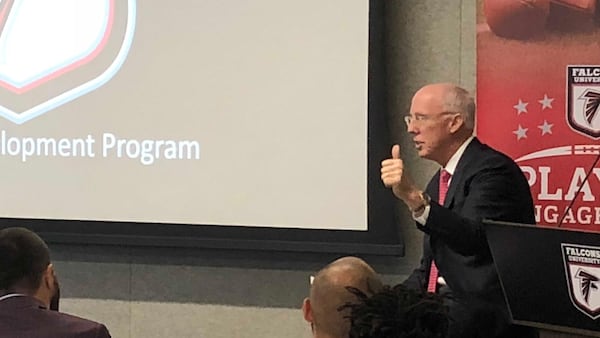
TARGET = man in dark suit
x,y
475,182
28,287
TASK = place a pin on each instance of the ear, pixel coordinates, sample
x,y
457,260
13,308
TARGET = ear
x,y
456,123
46,288
48,277
307,310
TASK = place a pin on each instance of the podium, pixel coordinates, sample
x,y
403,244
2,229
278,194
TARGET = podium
x,y
550,277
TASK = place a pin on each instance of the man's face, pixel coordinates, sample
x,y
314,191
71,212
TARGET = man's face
x,y
430,126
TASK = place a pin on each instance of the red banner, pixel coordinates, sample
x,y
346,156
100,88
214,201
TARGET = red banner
x,y
538,95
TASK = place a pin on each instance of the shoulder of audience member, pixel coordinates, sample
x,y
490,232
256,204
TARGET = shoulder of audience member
x,y
79,325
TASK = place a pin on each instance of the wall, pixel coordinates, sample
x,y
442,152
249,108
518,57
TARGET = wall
x,y
206,293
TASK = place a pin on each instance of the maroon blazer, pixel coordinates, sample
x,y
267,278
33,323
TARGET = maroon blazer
x,y
26,317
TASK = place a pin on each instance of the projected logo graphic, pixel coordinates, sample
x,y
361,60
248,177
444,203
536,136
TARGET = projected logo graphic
x,y
55,51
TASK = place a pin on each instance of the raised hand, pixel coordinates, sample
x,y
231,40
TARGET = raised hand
x,y
392,168
394,175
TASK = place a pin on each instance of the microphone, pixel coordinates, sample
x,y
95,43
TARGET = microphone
x,y
585,179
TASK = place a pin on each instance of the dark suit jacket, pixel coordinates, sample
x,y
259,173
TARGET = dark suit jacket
x,y
26,317
486,185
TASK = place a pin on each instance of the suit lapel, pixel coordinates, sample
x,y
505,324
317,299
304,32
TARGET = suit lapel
x,y
433,187
459,173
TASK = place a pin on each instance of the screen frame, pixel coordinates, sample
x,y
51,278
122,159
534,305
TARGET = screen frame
x,y
382,236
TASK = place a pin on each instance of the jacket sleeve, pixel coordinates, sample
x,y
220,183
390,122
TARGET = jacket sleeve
x,y
420,276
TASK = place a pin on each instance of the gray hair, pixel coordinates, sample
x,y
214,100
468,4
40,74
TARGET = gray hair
x,y
461,101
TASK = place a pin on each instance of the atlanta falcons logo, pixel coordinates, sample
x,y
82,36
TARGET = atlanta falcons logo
x,y
592,102
582,268
588,283
583,100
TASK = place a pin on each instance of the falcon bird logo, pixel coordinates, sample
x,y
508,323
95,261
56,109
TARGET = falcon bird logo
x,y
582,267
588,283
583,100
592,101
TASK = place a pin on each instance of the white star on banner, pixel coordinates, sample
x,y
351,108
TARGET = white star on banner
x,y
546,128
546,102
521,107
521,132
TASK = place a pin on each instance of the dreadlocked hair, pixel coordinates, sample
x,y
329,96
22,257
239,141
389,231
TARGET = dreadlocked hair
x,y
397,312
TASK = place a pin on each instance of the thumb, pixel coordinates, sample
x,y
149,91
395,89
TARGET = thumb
x,y
396,151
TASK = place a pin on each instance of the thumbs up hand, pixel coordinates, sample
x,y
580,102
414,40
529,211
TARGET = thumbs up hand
x,y
396,152
392,168
395,176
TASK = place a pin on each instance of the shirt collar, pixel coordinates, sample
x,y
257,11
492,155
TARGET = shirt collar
x,y
22,301
11,295
453,162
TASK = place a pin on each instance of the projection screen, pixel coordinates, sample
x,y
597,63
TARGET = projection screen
x,y
199,113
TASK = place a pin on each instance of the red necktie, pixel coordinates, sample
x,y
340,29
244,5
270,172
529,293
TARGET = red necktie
x,y
443,190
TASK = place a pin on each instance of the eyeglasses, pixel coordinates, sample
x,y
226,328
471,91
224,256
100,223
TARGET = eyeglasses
x,y
420,118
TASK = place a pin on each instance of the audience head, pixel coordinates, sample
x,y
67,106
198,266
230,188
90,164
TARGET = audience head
x,y
25,265
398,312
442,117
328,293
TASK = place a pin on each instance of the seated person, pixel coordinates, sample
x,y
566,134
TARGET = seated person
x,y
328,293
397,312
29,288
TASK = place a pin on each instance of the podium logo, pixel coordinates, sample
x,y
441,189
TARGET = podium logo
x,y
583,83
582,267
53,52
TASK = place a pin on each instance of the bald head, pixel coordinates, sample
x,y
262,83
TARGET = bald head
x,y
449,97
442,118
329,292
